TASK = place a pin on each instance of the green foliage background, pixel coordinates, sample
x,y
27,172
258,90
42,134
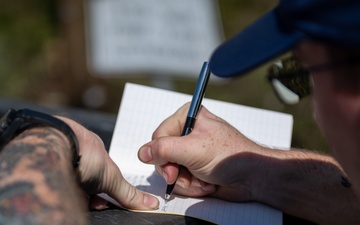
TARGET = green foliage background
x,y
29,30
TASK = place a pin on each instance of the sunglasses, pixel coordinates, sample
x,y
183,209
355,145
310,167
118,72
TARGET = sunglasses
x,y
291,81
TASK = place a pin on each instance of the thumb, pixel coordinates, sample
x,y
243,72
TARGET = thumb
x,y
164,150
127,195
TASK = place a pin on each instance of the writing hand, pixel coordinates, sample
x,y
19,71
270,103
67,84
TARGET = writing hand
x,y
220,161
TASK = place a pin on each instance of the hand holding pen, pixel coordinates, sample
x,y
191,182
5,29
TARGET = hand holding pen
x,y
214,158
193,111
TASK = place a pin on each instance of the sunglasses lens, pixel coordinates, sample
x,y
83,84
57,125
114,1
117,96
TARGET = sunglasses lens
x,y
285,94
289,80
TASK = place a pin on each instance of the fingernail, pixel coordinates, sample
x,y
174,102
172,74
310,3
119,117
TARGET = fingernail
x,y
181,183
151,202
145,154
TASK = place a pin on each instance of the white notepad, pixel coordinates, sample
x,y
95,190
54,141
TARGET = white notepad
x,y
143,108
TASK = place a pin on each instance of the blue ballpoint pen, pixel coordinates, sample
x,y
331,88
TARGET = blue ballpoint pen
x,y
193,111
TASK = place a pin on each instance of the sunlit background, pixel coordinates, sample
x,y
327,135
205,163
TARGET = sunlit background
x,y
43,59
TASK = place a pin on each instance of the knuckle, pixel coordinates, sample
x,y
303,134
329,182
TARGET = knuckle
x,y
155,134
163,148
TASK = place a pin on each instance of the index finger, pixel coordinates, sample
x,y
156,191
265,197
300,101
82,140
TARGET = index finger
x,y
173,125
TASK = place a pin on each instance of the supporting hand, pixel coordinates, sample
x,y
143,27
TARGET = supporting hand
x,y
98,173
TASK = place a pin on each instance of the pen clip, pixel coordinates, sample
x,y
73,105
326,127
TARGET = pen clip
x,y
199,90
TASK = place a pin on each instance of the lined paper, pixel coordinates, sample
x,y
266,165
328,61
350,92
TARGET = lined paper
x,y
142,110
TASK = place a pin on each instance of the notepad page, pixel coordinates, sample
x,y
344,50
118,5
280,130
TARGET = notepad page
x,y
143,108
210,209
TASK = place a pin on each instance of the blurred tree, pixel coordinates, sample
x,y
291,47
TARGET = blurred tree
x,y
24,28
43,59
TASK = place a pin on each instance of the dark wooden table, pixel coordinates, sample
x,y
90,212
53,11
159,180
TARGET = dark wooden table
x,y
119,216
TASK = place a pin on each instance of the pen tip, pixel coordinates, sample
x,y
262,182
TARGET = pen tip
x,y
167,196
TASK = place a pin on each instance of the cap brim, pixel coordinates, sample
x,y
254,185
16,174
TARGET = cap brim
x,y
257,44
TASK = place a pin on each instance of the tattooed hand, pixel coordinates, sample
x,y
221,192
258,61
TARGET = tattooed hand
x,y
37,182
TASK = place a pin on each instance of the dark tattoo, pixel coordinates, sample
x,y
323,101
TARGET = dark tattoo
x,y
37,182
18,202
345,181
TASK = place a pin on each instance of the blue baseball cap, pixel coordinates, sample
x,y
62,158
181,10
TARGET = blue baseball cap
x,y
279,30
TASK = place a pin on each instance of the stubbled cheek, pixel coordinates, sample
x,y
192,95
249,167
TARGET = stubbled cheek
x,y
321,104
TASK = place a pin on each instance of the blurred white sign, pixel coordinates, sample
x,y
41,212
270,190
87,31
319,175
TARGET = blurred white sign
x,y
169,37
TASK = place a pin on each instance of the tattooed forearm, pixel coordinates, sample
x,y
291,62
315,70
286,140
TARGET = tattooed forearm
x,y
37,181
